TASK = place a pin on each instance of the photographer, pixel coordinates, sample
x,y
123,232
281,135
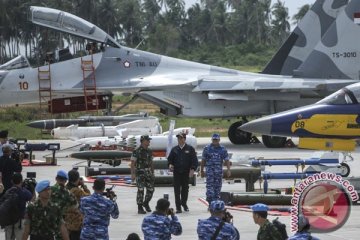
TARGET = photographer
x,y
158,225
8,166
97,211
73,216
219,225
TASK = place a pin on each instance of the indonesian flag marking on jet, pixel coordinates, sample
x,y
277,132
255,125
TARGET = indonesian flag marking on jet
x,y
357,18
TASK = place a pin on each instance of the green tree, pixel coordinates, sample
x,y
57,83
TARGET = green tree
x,y
280,23
301,13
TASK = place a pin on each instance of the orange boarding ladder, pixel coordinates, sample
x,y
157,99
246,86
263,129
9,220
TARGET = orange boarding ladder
x,y
45,91
89,81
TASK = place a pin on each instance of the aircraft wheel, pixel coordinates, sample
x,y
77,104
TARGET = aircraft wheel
x,y
273,141
237,136
344,170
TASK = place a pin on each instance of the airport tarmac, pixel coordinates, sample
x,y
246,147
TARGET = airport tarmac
x,y
129,221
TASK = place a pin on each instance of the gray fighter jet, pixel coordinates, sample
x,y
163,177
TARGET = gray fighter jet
x,y
320,57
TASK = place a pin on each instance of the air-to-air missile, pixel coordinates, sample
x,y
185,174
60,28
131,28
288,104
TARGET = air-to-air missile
x,y
148,126
111,157
330,124
82,121
253,198
158,142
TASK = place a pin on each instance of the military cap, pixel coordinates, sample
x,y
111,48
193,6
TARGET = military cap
x,y
183,135
62,174
4,134
215,136
42,185
259,207
145,137
217,206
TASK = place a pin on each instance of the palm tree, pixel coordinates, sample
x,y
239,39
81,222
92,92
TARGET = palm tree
x,y
281,26
301,13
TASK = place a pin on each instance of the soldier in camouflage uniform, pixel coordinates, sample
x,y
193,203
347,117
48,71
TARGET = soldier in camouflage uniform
x,y
207,228
267,230
213,157
61,197
142,168
158,225
97,211
73,216
43,218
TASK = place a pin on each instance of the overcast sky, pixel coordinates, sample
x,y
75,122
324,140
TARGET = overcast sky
x,y
293,5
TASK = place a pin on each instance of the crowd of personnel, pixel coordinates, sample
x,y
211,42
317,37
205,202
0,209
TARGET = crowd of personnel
x,y
67,210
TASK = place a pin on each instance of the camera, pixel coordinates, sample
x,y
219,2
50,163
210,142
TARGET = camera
x,y
227,217
170,211
109,193
30,183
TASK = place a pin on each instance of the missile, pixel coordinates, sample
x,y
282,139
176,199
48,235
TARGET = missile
x,y
101,155
286,175
253,198
82,121
138,127
257,163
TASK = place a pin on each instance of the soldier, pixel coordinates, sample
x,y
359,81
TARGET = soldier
x,y
43,226
73,216
158,225
183,162
217,226
61,197
142,167
213,157
267,230
97,211
303,232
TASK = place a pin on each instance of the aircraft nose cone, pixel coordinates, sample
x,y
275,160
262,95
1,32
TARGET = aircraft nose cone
x,y
262,126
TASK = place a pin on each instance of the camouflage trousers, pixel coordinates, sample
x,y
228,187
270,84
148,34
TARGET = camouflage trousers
x,y
144,179
213,183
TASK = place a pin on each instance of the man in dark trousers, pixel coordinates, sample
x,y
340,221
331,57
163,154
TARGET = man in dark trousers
x,y
8,166
183,162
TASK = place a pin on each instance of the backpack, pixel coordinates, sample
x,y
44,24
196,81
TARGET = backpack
x,y
281,227
9,207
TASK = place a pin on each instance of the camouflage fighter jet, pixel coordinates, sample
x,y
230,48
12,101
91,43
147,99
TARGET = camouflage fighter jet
x,y
320,57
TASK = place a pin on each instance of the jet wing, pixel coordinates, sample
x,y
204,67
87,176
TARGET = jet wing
x,y
264,82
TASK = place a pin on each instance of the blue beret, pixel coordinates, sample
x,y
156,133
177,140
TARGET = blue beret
x,y
260,207
62,174
42,185
217,206
215,136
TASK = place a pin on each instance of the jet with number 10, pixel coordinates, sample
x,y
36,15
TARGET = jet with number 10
x,y
320,56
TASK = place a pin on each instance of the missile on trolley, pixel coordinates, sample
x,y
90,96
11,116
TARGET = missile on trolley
x,y
137,127
158,142
253,198
111,157
82,121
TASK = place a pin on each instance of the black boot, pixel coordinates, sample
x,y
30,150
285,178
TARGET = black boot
x,y
141,210
147,207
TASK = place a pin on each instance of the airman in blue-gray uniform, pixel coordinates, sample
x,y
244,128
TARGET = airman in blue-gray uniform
x,y
218,226
3,140
213,157
303,232
97,211
143,170
158,225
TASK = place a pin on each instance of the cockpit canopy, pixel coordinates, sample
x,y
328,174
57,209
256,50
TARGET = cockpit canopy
x,y
347,95
66,22
16,63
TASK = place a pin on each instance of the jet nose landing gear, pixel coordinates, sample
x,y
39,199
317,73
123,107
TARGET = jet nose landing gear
x,y
237,136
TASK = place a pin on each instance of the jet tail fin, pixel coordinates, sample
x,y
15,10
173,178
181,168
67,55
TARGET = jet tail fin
x,y
305,36
337,55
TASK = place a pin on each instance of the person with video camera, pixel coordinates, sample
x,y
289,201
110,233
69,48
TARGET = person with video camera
x,y
218,225
97,211
8,166
15,230
73,216
158,225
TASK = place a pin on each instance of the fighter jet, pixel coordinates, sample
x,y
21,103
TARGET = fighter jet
x,y
330,124
325,40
